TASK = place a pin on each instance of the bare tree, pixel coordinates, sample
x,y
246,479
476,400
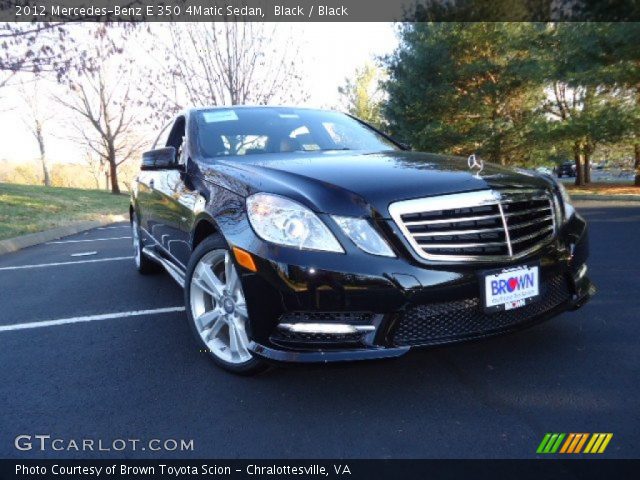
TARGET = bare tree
x,y
108,126
37,48
104,99
228,63
53,48
35,119
96,166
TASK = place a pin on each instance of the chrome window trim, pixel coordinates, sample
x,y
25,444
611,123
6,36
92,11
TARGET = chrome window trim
x,y
474,199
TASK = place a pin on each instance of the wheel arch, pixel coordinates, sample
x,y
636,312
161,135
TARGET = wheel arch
x,y
204,227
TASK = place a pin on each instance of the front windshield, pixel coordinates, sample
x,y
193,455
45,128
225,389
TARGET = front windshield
x,y
251,131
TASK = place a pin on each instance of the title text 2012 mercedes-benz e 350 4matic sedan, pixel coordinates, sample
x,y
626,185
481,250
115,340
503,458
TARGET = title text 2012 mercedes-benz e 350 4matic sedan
x,y
307,236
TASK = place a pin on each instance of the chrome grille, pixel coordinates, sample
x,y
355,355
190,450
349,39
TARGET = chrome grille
x,y
485,225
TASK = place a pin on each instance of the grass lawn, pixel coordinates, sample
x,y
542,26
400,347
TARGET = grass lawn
x,y
27,208
605,189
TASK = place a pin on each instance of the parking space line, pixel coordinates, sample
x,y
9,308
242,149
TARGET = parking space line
x,y
88,318
111,228
56,264
88,240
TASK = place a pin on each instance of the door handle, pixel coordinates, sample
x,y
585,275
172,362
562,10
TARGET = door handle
x,y
151,182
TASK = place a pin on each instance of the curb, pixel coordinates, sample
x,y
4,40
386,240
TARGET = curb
x,y
606,198
18,243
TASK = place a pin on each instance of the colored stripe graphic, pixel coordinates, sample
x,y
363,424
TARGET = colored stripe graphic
x,y
605,443
556,445
594,437
543,443
565,447
598,442
581,443
550,443
574,443
576,438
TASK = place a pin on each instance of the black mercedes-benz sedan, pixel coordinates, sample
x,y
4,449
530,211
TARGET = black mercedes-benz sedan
x,y
304,235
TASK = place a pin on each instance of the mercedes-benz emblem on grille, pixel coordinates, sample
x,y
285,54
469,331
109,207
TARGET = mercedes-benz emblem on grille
x,y
475,164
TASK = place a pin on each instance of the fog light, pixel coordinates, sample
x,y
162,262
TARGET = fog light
x,y
326,328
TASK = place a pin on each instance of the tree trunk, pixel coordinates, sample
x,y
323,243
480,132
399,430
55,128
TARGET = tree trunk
x,y
46,174
636,165
113,171
578,156
587,168
45,171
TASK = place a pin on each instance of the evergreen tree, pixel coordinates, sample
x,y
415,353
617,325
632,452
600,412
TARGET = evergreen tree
x,y
516,92
621,67
465,88
585,104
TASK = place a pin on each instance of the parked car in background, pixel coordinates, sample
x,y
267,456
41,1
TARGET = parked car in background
x,y
566,169
304,235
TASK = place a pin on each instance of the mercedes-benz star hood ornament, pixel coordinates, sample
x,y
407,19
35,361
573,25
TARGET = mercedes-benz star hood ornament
x,y
475,164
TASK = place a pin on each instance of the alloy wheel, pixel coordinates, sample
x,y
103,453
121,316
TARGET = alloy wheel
x,y
218,307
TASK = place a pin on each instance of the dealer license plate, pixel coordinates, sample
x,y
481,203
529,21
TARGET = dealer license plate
x,y
511,288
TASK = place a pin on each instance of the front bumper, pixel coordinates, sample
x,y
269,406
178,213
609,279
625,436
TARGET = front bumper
x,y
410,303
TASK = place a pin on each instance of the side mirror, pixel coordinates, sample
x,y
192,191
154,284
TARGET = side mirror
x,y
159,159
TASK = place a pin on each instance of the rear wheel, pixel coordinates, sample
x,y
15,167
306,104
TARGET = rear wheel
x,y
216,308
143,264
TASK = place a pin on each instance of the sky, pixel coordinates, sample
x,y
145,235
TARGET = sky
x,y
331,51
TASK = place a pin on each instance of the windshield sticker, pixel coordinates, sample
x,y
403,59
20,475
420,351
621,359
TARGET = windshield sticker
x,y
219,116
288,115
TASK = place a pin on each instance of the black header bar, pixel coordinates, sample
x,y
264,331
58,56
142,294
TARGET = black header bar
x,y
319,10
534,469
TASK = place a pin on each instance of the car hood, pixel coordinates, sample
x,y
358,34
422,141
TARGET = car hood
x,y
358,183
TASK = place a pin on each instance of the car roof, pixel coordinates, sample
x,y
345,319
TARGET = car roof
x,y
261,107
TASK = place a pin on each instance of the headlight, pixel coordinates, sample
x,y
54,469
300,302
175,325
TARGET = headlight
x,y
285,222
566,200
364,236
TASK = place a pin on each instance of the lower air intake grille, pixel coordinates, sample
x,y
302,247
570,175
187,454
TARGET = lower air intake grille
x,y
437,323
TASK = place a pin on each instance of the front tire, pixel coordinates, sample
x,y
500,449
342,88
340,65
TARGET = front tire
x,y
216,308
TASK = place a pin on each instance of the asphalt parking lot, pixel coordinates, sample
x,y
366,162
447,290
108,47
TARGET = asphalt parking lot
x,y
91,349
